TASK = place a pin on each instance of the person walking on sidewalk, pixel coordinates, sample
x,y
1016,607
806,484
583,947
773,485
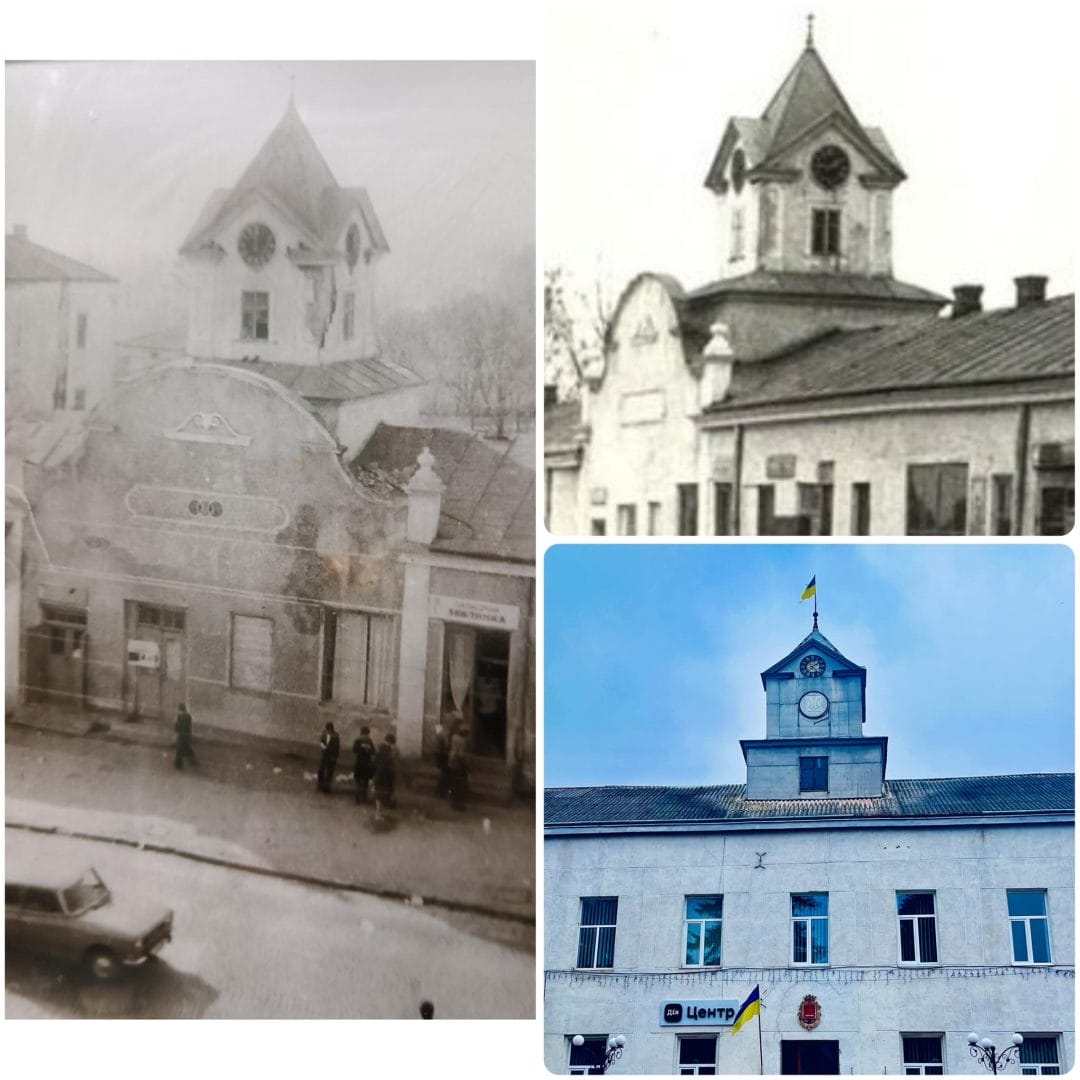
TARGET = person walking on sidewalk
x,y
330,745
385,773
183,737
442,757
364,766
457,767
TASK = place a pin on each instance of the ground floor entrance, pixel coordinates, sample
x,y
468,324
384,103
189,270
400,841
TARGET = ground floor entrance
x,y
815,1057
156,660
476,668
56,655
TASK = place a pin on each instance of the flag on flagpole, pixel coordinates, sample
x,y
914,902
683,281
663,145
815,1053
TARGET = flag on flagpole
x,y
810,589
749,1008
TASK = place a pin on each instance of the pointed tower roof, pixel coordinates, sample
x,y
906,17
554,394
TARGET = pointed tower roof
x,y
817,639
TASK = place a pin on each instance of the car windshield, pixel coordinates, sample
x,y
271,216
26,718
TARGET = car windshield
x,y
88,892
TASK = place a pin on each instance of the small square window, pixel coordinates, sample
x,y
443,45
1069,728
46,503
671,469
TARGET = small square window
x,y
813,774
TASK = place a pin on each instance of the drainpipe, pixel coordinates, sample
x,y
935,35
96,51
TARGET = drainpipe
x,y
736,519
1023,429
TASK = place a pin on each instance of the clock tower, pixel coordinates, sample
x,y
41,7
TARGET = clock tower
x,y
814,747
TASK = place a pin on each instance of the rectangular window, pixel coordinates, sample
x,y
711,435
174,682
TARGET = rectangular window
x,y
654,519
1001,498
860,509
813,774
825,232
922,1055
1056,508
937,500
596,934
918,927
598,527
348,319
688,510
588,1058
626,519
722,517
152,615
358,658
766,517
809,928
255,316
80,331
1039,1056
252,652
704,917
697,1055
1029,926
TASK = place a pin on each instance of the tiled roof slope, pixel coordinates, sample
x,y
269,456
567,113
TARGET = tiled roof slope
x,y
817,285
957,796
26,261
1031,342
488,505
561,422
343,380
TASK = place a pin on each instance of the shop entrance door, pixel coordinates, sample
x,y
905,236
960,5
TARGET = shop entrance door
x,y
476,667
159,686
56,655
809,1057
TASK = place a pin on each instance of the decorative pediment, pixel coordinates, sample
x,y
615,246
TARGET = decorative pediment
x,y
219,509
208,427
646,332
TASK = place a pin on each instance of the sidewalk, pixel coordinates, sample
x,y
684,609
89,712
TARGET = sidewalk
x,y
252,804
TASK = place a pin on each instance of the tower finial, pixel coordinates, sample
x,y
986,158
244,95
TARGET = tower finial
x,y
810,30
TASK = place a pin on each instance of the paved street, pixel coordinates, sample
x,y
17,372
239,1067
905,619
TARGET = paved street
x,y
252,946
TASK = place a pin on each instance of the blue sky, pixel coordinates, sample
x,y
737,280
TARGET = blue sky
x,y
653,652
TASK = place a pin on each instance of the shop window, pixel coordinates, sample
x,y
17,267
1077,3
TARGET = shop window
x,y
1029,926
626,519
596,932
588,1058
860,509
358,658
922,1055
697,1055
937,500
703,926
722,507
1001,501
688,509
252,652
1039,1056
813,774
825,232
255,316
918,927
809,928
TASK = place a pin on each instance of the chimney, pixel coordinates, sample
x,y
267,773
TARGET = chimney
x,y
425,501
1030,289
967,300
19,232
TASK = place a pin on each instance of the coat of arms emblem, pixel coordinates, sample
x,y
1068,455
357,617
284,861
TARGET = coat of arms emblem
x,y
809,1012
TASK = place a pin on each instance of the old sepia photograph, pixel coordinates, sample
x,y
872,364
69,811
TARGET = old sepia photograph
x,y
808,269
809,809
270,540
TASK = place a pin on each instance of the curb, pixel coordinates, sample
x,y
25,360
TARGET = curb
x,y
288,875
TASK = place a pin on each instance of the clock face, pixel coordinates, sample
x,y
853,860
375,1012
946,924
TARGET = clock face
x,y
830,166
812,666
352,245
256,245
814,704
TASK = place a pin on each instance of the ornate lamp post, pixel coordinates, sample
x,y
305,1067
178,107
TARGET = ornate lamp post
x,y
985,1052
612,1051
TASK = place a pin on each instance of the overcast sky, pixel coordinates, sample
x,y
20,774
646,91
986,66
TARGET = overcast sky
x,y
977,100
111,162
653,654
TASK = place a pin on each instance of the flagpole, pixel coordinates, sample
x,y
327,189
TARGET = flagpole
x,y
815,601
760,1052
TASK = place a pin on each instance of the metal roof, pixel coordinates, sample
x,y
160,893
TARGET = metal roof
x,y
955,796
26,261
343,380
819,285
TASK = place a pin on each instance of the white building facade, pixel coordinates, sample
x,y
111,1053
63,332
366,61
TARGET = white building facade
x,y
883,920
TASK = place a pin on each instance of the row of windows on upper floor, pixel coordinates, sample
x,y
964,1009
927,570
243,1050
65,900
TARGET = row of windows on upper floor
x,y
937,505
916,915
255,316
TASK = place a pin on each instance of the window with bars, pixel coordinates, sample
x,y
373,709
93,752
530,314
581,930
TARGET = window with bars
x,y
918,927
825,232
1029,926
588,1058
697,1055
255,316
922,1055
596,932
704,922
1039,1056
813,774
809,928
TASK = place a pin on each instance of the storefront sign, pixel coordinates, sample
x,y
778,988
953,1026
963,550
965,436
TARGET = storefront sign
x,y
809,1014
691,1013
143,653
473,612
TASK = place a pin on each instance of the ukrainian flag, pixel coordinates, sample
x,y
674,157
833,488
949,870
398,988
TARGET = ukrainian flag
x,y
810,589
750,1006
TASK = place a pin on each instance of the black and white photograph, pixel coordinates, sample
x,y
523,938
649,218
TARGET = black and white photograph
x,y
270,539
808,269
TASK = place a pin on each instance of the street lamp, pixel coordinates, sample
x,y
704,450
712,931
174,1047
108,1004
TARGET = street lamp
x,y
612,1050
984,1051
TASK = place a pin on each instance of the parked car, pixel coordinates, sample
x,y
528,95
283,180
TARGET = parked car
x,y
53,909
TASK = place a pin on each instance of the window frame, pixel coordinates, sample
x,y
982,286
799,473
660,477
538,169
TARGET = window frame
x,y
688,503
235,618
1040,1068
695,1068
922,1068
914,920
654,518
860,508
701,922
585,1070
941,468
1026,920
809,920
817,770
245,304
598,526
328,658
626,519
582,926
830,232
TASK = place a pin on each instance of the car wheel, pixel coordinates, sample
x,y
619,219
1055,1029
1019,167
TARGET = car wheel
x,y
102,964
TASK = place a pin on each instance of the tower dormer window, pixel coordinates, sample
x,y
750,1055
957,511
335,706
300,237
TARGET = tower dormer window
x,y
825,231
813,774
255,316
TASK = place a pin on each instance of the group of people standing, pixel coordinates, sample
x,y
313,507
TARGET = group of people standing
x,y
373,766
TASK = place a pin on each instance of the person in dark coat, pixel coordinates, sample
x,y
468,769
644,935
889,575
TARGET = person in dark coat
x,y
457,768
330,745
364,767
442,757
385,772
183,737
